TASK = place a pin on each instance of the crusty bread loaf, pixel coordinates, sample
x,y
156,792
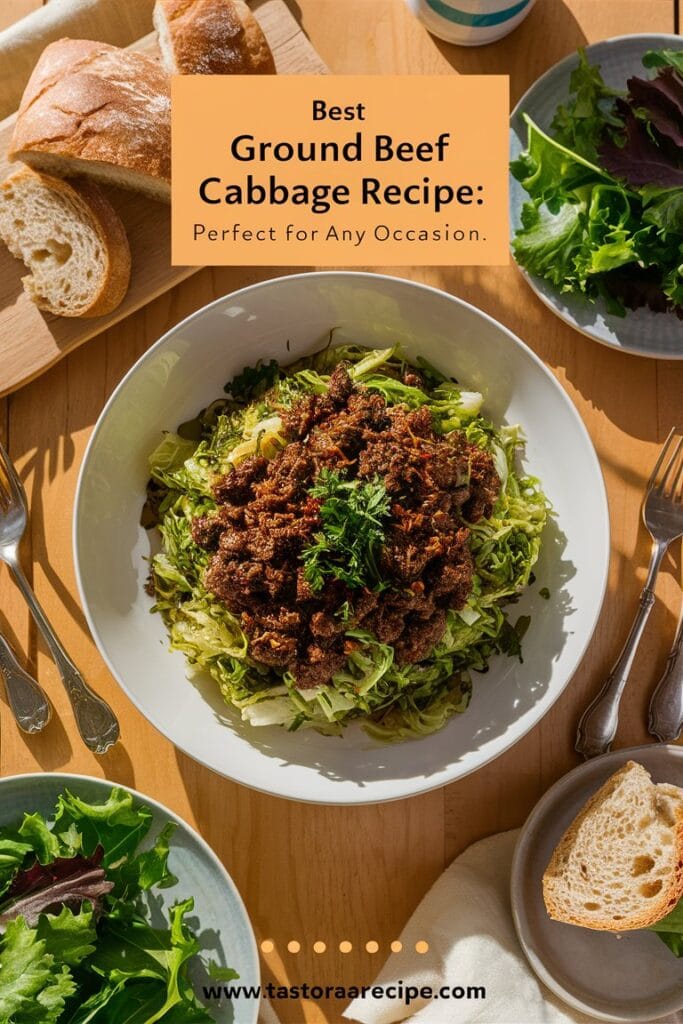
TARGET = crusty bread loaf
x,y
211,37
70,238
619,865
97,110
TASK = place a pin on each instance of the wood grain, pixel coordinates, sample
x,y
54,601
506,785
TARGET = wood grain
x,y
30,340
310,873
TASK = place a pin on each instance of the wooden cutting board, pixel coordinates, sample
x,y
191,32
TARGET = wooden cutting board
x,y
30,340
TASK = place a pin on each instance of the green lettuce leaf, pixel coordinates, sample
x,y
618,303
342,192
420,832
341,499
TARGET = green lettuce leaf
x,y
68,937
663,208
670,930
580,124
664,58
548,243
145,971
13,853
44,843
34,988
550,172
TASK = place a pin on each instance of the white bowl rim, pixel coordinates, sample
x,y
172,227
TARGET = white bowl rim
x,y
418,786
163,810
565,62
546,801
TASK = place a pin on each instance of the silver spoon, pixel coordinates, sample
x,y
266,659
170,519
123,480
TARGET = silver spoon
x,y
96,721
26,696
666,706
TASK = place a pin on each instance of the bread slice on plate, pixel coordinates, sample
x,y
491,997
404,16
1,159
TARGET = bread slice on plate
x,y
211,37
96,110
70,238
619,865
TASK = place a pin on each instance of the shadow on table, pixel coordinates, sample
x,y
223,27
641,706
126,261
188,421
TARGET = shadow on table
x,y
517,54
606,378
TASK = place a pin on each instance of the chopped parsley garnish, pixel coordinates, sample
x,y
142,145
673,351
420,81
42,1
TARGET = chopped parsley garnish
x,y
353,515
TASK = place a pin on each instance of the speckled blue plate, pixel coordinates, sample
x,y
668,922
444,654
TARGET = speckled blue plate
x,y
219,918
659,335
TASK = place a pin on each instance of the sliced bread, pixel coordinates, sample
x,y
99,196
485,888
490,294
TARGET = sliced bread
x,y
619,865
211,37
100,111
70,238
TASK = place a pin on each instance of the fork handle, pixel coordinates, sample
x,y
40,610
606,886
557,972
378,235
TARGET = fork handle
x,y
598,725
96,722
666,705
27,699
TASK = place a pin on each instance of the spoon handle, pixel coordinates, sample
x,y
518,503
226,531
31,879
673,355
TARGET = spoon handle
x,y
666,706
96,721
27,699
599,722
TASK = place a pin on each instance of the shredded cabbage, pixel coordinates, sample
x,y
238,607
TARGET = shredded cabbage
x,y
393,702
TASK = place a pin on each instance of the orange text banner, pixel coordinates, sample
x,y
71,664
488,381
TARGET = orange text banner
x,y
340,170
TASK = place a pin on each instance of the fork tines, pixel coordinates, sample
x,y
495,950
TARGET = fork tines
x,y
668,482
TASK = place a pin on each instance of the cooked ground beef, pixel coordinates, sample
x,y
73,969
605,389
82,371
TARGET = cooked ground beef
x,y
266,518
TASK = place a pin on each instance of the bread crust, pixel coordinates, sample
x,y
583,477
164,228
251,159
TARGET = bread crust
x,y
671,893
98,105
103,218
212,37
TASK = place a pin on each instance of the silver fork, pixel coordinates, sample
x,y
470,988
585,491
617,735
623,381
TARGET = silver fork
x,y
663,517
26,696
96,721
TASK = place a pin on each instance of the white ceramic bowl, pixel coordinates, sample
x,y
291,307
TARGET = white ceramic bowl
x,y
641,332
219,919
286,318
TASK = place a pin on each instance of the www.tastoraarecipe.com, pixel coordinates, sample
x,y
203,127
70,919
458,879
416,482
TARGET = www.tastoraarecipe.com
x,y
407,994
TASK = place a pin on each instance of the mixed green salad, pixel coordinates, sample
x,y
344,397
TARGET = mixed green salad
x,y
393,701
76,945
605,211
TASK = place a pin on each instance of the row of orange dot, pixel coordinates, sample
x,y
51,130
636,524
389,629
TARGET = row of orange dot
x,y
267,946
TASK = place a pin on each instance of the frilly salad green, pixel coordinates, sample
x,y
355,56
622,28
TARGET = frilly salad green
x,y
393,701
77,945
604,214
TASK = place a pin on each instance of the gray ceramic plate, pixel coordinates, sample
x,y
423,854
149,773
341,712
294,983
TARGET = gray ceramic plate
x,y
642,332
219,918
632,977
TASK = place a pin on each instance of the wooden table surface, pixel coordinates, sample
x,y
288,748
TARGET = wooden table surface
x,y
322,873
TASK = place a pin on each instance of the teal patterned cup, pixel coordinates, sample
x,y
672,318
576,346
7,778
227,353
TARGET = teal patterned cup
x,y
470,22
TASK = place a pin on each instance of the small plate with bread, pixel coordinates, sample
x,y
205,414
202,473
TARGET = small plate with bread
x,y
597,885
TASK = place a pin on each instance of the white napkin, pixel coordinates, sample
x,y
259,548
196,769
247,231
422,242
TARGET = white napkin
x,y
118,22
466,919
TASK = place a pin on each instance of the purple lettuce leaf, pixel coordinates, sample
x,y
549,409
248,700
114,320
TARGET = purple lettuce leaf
x,y
639,160
639,287
661,100
65,882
